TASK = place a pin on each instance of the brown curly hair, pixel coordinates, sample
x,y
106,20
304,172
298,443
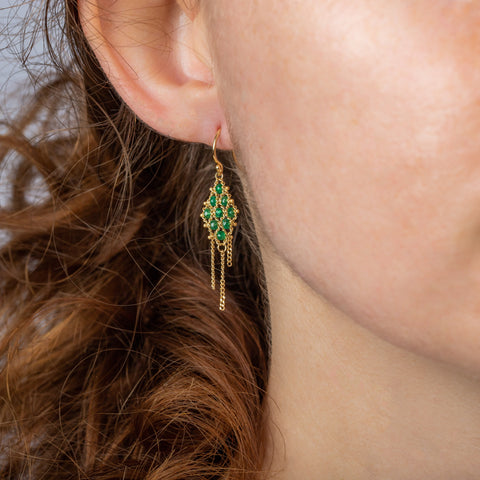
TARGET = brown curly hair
x,y
115,360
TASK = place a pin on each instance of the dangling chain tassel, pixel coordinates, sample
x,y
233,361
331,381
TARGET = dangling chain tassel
x,y
219,216
222,280
212,265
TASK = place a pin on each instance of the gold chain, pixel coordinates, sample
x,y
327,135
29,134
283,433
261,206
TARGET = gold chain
x,y
222,280
229,251
212,262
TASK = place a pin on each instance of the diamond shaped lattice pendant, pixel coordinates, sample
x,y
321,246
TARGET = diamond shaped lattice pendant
x,y
219,216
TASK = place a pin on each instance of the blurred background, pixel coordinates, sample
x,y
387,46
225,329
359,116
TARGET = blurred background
x,y
21,40
15,83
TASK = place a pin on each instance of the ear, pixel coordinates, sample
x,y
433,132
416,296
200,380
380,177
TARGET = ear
x,y
156,56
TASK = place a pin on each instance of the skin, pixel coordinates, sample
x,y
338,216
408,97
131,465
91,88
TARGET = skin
x,y
355,124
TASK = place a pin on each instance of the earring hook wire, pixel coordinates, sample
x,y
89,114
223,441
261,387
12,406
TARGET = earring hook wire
x,y
217,161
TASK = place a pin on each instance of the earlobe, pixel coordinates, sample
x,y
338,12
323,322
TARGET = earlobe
x,y
156,56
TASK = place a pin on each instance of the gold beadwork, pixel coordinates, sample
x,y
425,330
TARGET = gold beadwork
x,y
219,216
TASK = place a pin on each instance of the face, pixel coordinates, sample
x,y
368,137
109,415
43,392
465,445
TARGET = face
x,y
358,124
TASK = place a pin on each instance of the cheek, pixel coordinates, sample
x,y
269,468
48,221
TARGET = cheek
x,y
361,145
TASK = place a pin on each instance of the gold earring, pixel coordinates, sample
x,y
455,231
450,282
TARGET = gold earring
x,y
219,216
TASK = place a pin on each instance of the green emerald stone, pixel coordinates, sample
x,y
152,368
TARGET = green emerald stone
x,y
231,212
219,213
207,213
221,235
213,200
213,225
226,224
224,200
218,188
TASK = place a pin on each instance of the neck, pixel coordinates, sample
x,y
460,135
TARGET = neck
x,y
345,404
